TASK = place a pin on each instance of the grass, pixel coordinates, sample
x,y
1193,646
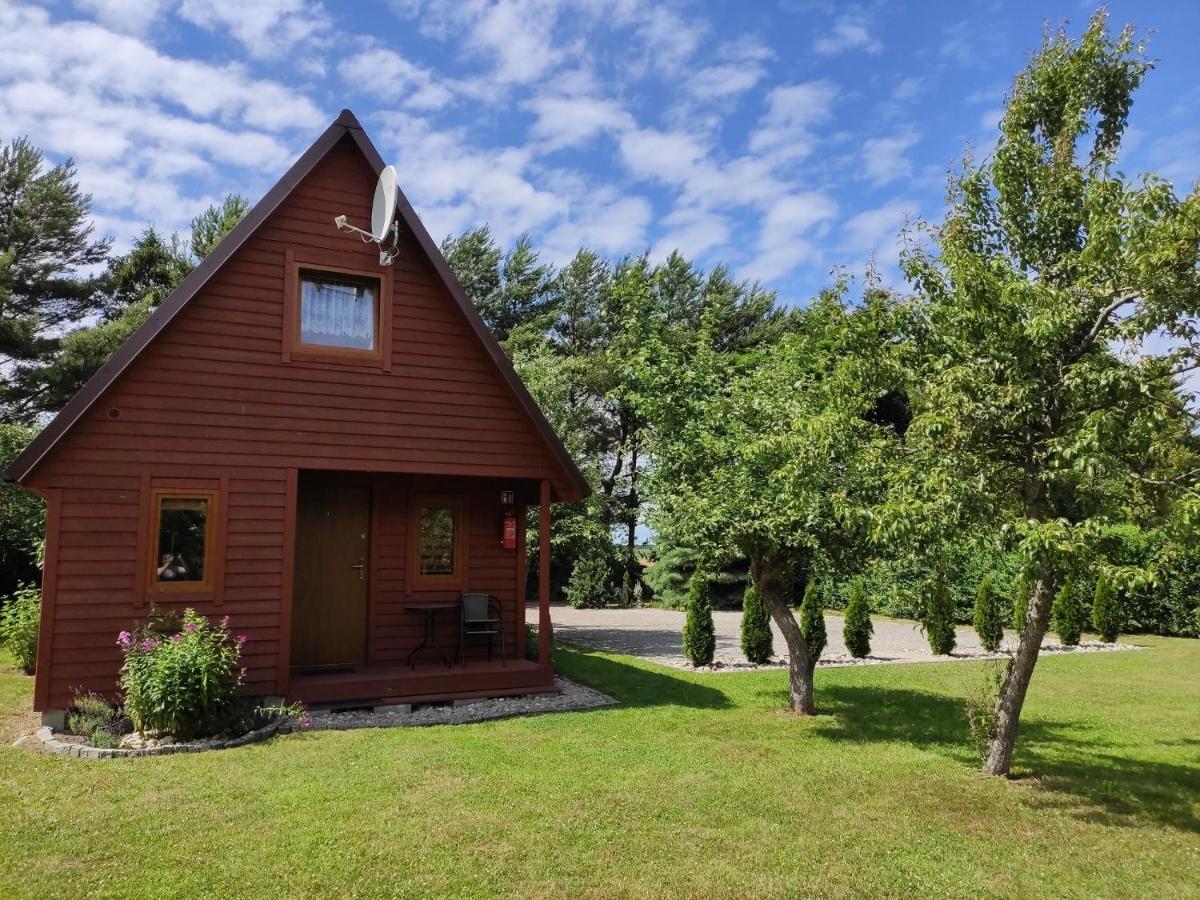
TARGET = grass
x,y
698,785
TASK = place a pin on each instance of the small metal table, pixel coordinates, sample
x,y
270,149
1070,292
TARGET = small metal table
x,y
429,608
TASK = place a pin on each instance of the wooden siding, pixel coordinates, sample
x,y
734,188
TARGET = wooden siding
x,y
213,397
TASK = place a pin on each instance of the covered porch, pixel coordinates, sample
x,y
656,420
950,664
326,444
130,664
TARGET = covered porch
x,y
379,564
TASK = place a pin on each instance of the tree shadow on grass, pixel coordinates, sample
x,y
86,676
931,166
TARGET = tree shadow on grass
x,y
633,685
1076,768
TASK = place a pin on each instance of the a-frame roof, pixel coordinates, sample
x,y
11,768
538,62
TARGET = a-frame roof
x,y
345,124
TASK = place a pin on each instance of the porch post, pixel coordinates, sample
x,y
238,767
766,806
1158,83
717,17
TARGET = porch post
x,y
544,577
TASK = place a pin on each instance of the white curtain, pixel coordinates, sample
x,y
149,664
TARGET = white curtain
x,y
337,315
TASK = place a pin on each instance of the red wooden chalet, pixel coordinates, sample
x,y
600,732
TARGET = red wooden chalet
x,y
325,449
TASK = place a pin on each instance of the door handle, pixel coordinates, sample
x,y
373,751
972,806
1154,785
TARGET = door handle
x,y
361,566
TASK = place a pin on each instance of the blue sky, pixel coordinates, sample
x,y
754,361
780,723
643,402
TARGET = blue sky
x,y
782,139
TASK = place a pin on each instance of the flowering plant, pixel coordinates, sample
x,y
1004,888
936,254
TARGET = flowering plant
x,y
180,682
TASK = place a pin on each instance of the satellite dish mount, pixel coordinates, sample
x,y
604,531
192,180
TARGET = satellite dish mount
x,y
383,218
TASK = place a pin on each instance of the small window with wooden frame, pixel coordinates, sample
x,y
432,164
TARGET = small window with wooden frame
x,y
437,542
183,540
336,312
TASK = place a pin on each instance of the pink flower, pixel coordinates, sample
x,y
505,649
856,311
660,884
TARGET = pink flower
x,y
225,622
148,645
124,639
241,638
190,627
306,721
176,637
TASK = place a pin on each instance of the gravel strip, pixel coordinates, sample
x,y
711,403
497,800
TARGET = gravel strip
x,y
571,697
655,635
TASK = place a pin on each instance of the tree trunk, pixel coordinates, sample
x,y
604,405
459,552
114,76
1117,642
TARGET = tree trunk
x,y
766,573
998,760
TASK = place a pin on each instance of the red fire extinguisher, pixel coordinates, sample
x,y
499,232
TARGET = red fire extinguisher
x,y
508,531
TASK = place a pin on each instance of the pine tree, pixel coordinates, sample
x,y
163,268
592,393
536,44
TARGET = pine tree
x,y
939,615
699,634
857,628
46,247
1020,604
210,227
757,640
1106,611
591,585
1067,614
988,620
812,621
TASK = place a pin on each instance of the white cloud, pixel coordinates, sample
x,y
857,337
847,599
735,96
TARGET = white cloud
x,y
661,155
154,137
850,32
907,89
87,58
725,80
792,111
876,230
785,239
132,16
458,185
884,159
604,221
571,121
386,74
266,28
693,231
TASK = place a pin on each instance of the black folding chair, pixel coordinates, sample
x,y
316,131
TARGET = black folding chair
x,y
481,616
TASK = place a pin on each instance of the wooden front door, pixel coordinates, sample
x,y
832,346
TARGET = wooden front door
x,y
333,540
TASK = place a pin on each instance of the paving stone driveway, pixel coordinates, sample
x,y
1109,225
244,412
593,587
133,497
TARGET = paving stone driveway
x,y
655,634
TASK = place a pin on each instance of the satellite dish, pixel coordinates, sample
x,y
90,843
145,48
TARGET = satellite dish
x,y
383,214
383,210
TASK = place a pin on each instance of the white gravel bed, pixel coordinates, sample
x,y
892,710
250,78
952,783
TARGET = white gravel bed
x,y
571,697
839,660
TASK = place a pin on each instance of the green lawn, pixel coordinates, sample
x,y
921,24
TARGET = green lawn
x,y
697,786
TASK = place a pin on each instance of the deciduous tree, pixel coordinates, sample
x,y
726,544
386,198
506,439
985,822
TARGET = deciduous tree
x,y
1048,264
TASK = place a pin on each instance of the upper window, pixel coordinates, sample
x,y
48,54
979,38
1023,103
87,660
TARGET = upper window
x,y
338,311
182,540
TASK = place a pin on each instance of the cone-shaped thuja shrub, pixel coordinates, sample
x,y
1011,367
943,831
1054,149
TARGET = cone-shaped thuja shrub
x,y
1020,603
857,628
699,635
939,615
1067,615
757,642
989,619
812,621
1106,612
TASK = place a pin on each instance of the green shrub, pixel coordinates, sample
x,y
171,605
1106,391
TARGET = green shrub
x,y
757,641
980,705
532,650
22,517
592,584
812,621
988,619
1020,602
699,634
1067,614
184,684
19,620
857,628
1106,611
92,716
939,615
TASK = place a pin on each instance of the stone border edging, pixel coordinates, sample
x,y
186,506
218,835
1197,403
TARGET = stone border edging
x,y
570,697
50,742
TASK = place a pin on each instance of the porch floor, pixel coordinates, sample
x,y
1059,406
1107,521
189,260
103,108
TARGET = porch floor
x,y
429,681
